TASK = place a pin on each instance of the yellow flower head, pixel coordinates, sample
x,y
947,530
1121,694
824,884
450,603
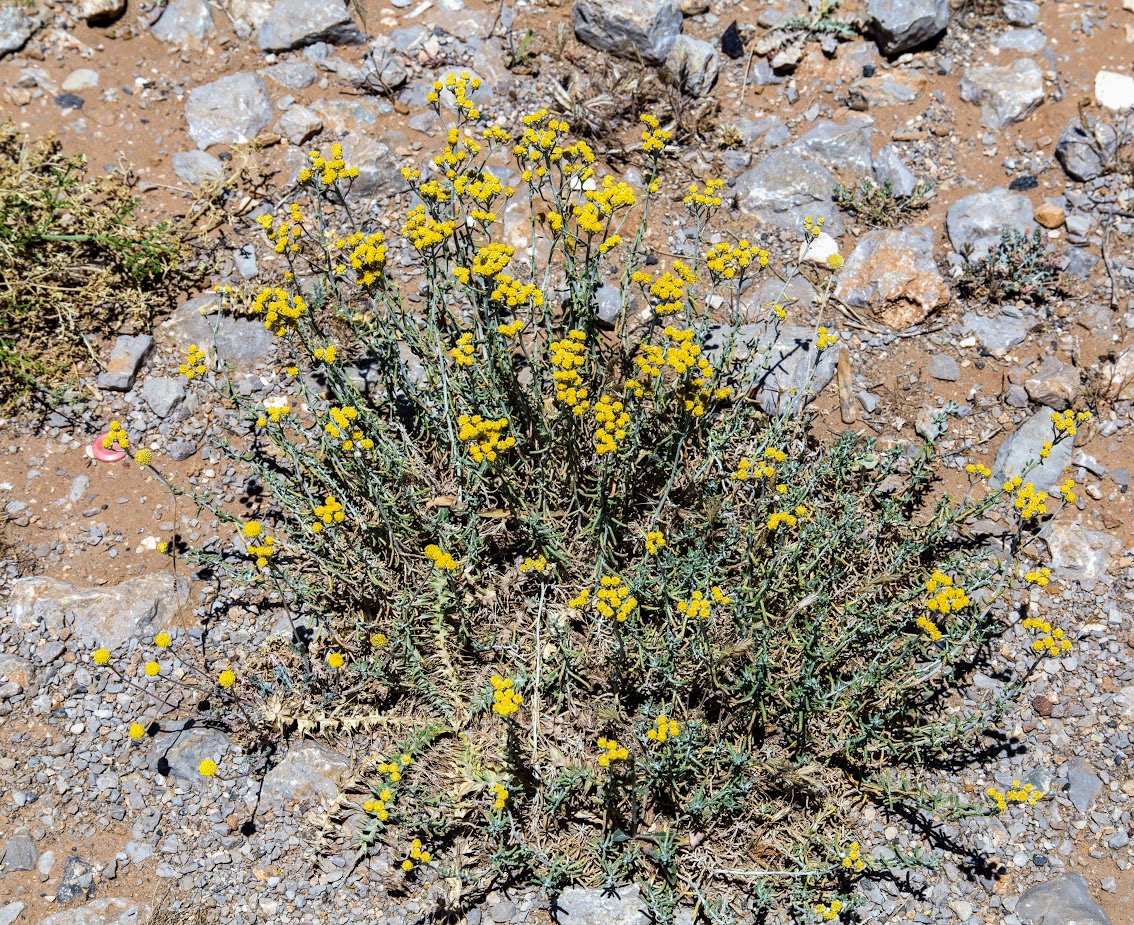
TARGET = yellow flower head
x,y
207,768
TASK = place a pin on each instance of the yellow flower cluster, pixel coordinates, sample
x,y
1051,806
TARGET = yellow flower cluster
x,y
194,364
535,564
367,256
1067,491
1040,576
491,259
683,356
612,752
277,408
709,197
285,236
326,354
144,457
481,188
485,437
613,599
1067,421
458,86
1051,641
664,728
812,227
580,599
728,261
512,328
137,730
344,426
831,912
328,170
834,261
226,678
654,138
698,605
330,511
101,657
853,858
610,420
945,598
929,628
502,794
115,435
417,853
669,288
1027,500
783,517
655,541
424,231
280,311
152,669
603,203
394,770
513,293
1016,794
441,560
567,356
262,551
505,700
462,353
378,807
978,469
825,339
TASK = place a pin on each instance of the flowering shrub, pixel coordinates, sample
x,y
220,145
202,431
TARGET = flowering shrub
x,y
601,618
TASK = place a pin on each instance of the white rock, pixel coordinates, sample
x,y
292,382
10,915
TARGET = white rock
x,y
1114,91
820,248
82,79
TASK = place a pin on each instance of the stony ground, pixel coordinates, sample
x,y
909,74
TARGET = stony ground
x,y
982,101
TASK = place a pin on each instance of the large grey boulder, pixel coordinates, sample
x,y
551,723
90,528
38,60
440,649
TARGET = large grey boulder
x,y
1023,448
899,25
308,772
1078,554
692,65
890,168
186,24
17,25
643,29
842,147
104,616
1005,94
295,23
978,220
179,753
232,110
784,188
1065,900
239,342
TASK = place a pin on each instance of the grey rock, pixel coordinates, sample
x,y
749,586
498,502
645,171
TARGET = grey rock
x,y
10,690
9,912
17,25
1079,224
99,12
187,24
768,130
125,360
692,65
308,771
1080,555
294,75
1119,839
194,168
77,880
299,124
841,147
80,79
1029,41
893,275
20,854
163,394
757,303
609,301
885,89
1066,900
944,367
240,342
1005,94
932,422
45,863
783,365
1081,151
890,168
179,450
107,616
784,187
232,110
597,907
628,28
1023,448
1016,396
381,68
102,912
179,754
244,258
899,25
998,334
295,23
1054,384
356,122
251,13
978,220
1021,12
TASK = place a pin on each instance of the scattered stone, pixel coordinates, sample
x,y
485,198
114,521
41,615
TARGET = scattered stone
x,y
100,12
298,124
241,342
1077,554
731,42
691,65
944,367
784,187
599,907
125,360
232,110
1054,384
181,449
77,881
1066,900
890,168
251,13
819,249
628,28
179,754
20,854
186,24
102,912
975,223
1023,447
1114,91
78,80
931,423
107,616
889,89
69,101
1006,94
381,67
307,771
294,75
295,23
1050,215
893,275
901,25
1081,153
17,25
10,912
163,394
194,168
1021,12
609,303
244,258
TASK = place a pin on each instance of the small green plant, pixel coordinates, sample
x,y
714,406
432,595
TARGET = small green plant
x,y
75,263
1020,266
588,612
878,205
522,54
784,44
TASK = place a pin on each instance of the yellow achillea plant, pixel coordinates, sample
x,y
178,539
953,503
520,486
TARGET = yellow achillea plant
x,y
519,535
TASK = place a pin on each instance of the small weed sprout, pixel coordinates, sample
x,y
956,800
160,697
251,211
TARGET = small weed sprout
x,y
595,615
877,204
